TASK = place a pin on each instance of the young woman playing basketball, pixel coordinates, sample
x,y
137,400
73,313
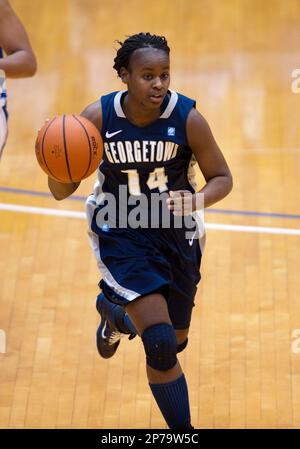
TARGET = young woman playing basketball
x,y
152,136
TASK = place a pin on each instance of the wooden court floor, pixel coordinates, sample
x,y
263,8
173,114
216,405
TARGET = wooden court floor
x,y
242,364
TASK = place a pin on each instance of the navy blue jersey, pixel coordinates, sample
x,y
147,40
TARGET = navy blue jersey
x,y
148,160
161,145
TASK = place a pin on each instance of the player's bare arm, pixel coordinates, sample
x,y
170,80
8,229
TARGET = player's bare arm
x,y
212,165
61,190
210,159
94,114
20,60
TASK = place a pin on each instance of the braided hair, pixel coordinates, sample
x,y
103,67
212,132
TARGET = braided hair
x,y
134,42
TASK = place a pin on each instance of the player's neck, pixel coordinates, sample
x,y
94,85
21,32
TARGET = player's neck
x,y
137,114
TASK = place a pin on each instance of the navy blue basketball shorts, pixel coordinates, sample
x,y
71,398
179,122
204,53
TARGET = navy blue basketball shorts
x,y
137,262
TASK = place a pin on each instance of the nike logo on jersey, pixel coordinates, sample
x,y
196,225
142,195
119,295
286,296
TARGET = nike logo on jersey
x,y
109,135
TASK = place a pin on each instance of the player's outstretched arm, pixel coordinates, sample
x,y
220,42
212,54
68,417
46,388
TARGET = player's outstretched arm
x,y
61,190
20,60
210,159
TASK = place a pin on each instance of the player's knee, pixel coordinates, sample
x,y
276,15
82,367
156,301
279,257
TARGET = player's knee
x,y
182,339
160,346
182,346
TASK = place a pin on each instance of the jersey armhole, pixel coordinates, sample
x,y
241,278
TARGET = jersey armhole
x,y
194,106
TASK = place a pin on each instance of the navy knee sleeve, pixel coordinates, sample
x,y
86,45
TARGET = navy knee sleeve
x,y
160,346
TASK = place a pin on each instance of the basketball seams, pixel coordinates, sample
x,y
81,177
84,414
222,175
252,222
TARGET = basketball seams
x,y
43,140
65,147
87,136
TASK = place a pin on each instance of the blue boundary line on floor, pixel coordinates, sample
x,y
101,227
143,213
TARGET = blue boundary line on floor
x,y
210,210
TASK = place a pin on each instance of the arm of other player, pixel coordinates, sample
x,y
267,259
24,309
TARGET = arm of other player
x,y
20,60
61,190
211,162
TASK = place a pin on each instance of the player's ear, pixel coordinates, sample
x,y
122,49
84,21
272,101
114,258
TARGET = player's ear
x,y
124,75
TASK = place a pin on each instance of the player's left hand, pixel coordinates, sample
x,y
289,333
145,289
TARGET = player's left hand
x,y
181,202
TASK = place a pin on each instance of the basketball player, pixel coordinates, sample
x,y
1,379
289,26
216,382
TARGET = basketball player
x,y
19,61
152,136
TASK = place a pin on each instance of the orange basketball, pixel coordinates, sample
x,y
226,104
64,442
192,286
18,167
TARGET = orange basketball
x,y
69,148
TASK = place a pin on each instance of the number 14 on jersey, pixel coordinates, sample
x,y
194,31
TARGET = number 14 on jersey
x,y
157,179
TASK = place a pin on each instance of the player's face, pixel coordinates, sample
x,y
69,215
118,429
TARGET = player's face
x,y
148,77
